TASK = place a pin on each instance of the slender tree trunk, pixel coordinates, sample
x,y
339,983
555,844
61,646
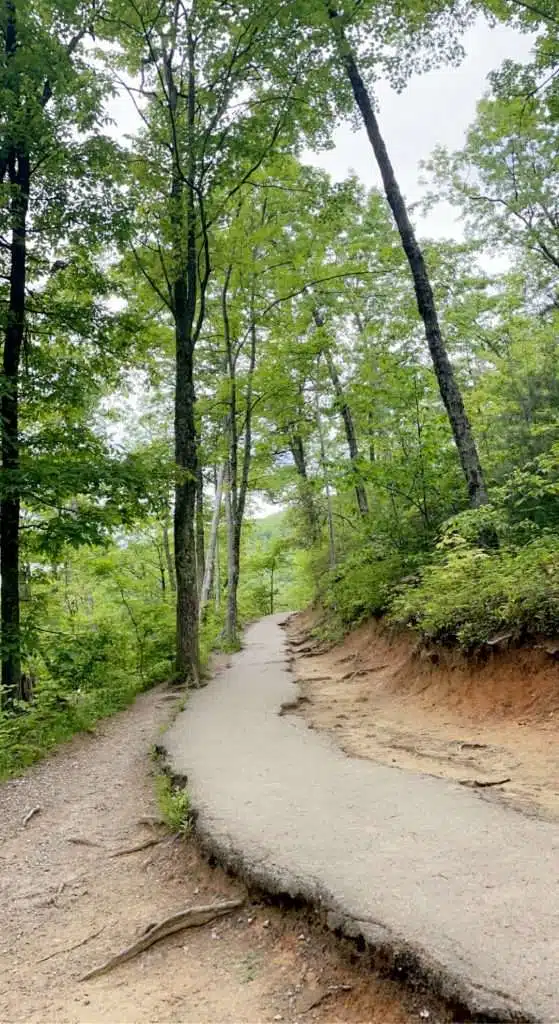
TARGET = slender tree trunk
x,y
185,500
212,543
186,442
272,591
347,418
168,558
217,575
351,437
450,392
329,511
232,567
200,539
19,177
305,489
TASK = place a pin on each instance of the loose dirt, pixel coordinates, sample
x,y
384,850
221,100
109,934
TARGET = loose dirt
x,y
437,712
60,888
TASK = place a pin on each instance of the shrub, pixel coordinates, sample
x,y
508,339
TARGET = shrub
x,y
471,594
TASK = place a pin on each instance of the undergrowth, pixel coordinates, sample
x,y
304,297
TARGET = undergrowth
x,y
174,804
494,571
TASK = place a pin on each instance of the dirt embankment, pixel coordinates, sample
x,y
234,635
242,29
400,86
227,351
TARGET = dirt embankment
x,y
66,905
474,721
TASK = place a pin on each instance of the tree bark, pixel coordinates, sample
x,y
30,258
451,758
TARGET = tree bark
x,y
448,387
168,558
19,173
186,442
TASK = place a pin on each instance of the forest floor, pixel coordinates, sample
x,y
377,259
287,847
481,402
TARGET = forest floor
x,y
60,888
437,712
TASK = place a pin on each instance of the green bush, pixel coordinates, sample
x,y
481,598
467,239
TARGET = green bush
x,y
471,594
361,585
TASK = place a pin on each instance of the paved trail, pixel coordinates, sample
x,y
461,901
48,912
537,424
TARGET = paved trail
x,y
471,887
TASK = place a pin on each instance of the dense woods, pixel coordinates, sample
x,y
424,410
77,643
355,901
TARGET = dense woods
x,y
197,323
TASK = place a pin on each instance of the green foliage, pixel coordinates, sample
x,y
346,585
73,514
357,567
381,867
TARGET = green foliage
x,y
471,595
174,804
313,388
98,629
361,585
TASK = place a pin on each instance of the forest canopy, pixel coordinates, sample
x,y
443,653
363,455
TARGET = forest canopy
x,y
198,324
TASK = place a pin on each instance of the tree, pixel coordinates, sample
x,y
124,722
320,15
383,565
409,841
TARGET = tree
x,y
506,180
450,392
54,168
194,157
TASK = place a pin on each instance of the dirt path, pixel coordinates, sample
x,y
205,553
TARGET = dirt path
x,y
258,965
459,721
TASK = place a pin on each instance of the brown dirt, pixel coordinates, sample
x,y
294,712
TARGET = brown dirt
x,y
260,964
436,711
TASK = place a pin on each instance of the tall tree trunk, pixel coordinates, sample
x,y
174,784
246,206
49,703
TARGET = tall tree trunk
x,y
212,543
185,500
168,558
232,565
186,442
217,574
200,539
347,418
450,392
305,489
329,510
17,165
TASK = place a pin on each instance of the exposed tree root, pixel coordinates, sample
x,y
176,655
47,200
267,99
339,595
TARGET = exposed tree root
x,y
479,784
190,918
139,846
31,814
83,841
68,949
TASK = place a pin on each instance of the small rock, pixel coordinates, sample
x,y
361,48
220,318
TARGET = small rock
x,y
424,1014
250,920
278,1016
214,934
266,923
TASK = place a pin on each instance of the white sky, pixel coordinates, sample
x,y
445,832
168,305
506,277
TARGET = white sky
x,y
435,109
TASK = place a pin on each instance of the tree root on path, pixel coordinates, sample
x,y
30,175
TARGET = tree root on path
x,y
139,846
479,784
31,814
68,949
190,918
82,841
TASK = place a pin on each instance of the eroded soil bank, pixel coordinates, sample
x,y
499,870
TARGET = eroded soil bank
x,y
476,721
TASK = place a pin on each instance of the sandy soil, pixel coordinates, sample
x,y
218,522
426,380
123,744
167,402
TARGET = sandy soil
x,y
437,712
60,888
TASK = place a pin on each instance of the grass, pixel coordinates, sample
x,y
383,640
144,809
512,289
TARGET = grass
x,y
174,804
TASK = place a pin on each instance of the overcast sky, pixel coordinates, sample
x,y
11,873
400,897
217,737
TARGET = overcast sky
x,y
435,109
